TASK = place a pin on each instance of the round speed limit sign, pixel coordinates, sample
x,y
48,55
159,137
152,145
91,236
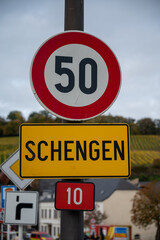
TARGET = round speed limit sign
x,y
75,76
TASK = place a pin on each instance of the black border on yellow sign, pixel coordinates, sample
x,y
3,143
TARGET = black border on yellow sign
x,y
74,124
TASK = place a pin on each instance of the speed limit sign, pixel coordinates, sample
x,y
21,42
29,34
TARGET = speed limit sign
x,y
75,76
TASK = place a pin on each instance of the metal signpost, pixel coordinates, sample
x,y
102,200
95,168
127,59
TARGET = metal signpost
x,y
74,20
75,76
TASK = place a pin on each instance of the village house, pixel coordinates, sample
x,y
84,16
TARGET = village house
x,y
114,197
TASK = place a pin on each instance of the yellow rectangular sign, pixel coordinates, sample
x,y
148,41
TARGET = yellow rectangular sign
x,y
74,150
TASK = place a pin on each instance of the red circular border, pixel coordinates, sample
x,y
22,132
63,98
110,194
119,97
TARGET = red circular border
x,y
49,102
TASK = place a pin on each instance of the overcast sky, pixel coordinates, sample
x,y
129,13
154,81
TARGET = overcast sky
x,y
130,28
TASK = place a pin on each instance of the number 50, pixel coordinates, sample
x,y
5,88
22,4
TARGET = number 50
x,y
82,74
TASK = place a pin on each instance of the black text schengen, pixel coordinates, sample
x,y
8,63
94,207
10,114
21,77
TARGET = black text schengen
x,y
71,150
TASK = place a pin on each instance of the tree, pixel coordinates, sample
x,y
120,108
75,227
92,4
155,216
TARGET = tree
x,y
2,124
96,214
146,126
11,128
16,116
40,117
35,117
157,124
146,207
48,118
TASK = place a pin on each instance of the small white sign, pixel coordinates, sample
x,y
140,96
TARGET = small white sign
x,y
21,208
6,168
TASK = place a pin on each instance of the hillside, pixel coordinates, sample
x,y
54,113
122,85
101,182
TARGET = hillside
x,y
144,149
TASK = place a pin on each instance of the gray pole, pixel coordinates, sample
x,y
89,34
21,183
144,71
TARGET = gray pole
x,y
74,15
72,221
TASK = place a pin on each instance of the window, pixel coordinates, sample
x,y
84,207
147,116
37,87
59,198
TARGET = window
x,y
55,215
42,213
45,213
137,236
54,231
49,213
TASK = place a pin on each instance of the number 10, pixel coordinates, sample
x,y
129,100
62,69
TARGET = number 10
x,y
75,196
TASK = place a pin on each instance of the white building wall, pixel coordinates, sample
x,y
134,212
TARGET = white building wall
x,y
49,219
118,206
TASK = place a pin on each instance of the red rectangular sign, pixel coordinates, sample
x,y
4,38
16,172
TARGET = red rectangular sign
x,y
74,196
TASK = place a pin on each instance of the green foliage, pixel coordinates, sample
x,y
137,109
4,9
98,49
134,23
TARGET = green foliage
x,y
15,115
10,126
8,146
41,117
145,142
144,149
145,173
157,124
2,125
146,126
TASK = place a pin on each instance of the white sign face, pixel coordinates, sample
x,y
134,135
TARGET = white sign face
x,y
6,167
72,60
21,208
